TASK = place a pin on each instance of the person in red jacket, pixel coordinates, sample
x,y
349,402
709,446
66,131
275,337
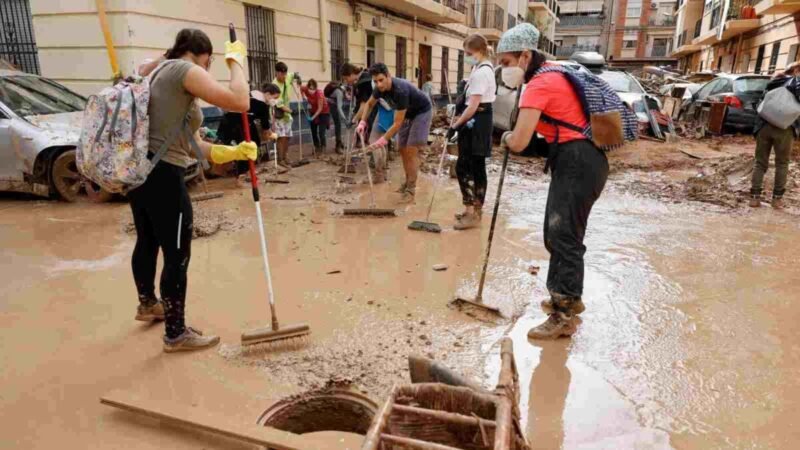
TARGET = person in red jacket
x,y
320,115
579,172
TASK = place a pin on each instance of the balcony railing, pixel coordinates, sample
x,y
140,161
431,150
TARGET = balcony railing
x,y
664,21
568,50
483,15
581,21
552,4
734,12
658,51
458,5
547,46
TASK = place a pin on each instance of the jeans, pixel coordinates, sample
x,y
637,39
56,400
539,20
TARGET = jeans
x,y
769,138
337,128
163,216
471,172
579,174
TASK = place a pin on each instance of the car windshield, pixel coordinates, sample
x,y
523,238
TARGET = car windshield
x,y
620,81
30,96
750,84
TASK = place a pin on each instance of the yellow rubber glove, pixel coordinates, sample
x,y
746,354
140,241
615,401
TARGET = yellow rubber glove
x,y
235,52
222,154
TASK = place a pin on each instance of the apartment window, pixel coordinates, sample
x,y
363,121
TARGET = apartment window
x,y
338,49
759,58
792,57
773,60
629,44
445,68
17,43
634,9
460,75
370,50
400,48
261,52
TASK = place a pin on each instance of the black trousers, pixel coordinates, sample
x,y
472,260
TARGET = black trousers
x,y
319,130
471,173
162,213
579,174
337,127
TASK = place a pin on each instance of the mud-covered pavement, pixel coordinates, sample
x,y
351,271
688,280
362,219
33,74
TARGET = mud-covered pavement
x,y
688,340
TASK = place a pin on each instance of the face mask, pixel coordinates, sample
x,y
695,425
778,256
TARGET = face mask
x,y
471,60
513,76
273,102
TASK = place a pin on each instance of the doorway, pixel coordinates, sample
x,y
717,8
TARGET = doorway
x,y
370,49
425,62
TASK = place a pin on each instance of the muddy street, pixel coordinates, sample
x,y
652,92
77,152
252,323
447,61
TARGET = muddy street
x,y
688,340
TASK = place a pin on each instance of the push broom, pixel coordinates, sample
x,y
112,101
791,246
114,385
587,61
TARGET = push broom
x,y
372,210
275,333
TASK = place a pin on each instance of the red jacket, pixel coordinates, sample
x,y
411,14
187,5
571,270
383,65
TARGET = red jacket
x,y
314,99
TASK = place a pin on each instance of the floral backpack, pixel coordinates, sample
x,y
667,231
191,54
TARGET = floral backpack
x,y
114,143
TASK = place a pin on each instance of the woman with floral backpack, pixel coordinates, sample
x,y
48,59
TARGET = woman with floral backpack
x,y
162,209
579,171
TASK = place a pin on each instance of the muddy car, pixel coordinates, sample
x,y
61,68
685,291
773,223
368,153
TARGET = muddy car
x,y
741,93
40,124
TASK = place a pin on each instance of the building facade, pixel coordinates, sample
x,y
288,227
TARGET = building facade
x,y
62,39
626,32
737,36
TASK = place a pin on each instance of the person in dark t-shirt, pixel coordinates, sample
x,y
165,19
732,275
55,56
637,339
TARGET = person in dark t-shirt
x,y
412,121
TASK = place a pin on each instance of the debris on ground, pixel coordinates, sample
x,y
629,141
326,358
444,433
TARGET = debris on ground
x,y
207,223
440,267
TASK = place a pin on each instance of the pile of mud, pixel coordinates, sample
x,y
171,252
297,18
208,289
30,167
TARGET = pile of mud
x,y
208,223
723,182
371,355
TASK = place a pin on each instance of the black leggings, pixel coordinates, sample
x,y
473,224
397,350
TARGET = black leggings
x,y
579,174
471,172
162,213
319,131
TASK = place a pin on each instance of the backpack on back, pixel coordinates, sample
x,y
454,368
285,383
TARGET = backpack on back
x,y
115,136
610,122
330,89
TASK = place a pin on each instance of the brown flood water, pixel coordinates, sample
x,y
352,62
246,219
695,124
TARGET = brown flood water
x,y
688,340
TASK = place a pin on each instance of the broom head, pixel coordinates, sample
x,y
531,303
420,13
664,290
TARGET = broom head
x,y
430,227
265,335
370,212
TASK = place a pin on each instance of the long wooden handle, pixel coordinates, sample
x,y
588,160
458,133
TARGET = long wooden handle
x,y
112,53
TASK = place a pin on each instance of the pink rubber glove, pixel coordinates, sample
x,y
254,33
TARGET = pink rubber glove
x,y
361,128
382,142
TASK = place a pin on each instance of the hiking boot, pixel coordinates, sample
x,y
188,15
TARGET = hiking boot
x,y
407,198
151,313
468,221
191,339
755,201
574,306
557,325
777,203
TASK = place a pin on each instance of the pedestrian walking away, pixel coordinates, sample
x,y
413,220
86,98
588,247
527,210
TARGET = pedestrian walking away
x,y
283,111
579,171
161,207
474,128
412,122
771,138
320,118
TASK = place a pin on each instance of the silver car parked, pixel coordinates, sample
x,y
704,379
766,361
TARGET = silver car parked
x,y
40,124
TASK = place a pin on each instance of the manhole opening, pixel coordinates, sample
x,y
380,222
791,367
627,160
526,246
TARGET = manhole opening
x,y
327,410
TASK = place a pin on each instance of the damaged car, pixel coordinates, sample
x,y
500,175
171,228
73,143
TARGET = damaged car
x,y
40,124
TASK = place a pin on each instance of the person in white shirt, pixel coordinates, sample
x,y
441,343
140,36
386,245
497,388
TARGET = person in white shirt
x,y
474,128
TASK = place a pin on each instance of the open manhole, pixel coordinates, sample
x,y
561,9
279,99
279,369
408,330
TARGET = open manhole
x,y
321,410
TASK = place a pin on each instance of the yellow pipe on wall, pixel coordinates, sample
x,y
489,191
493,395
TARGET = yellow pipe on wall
x,y
323,36
112,53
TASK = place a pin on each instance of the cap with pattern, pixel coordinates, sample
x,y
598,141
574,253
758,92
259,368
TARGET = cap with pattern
x,y
522,37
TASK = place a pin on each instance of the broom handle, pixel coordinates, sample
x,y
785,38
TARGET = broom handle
x,y
369,172
439,170
257,201
491,228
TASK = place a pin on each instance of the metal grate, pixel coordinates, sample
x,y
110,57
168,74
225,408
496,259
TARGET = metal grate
x,y
400,48
338,49
17,43
261,52
445,68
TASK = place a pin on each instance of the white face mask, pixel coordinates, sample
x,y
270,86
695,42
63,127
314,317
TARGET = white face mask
x,y
273,102
471,60
513,77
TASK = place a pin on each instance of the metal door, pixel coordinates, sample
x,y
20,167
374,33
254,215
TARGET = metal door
x,y
261,51
338,49
17,43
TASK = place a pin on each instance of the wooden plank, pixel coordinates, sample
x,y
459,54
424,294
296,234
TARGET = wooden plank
x,y
414,444
444,415
372,441
716,120
205,421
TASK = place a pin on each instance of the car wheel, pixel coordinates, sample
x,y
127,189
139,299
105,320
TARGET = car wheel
x,y
71,185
